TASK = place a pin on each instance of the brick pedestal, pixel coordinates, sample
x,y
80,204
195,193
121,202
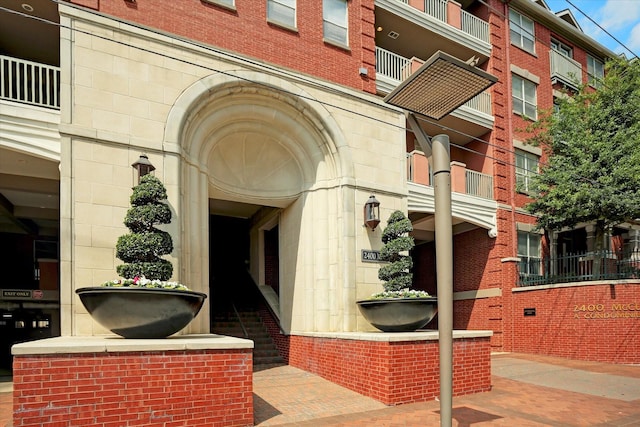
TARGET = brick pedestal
x,y
394,368
110,381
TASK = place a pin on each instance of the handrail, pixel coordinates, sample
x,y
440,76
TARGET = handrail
x,y
244,330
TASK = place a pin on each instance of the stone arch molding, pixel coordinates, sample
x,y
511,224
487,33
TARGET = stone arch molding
x,y
259,138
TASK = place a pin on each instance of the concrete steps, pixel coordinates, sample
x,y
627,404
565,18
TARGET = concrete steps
x,y
249,321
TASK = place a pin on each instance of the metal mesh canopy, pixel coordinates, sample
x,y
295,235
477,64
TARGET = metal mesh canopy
x,y
439,86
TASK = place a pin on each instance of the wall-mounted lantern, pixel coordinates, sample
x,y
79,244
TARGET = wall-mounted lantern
x,y
143,166
372,212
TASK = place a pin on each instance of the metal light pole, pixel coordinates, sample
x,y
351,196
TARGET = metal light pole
x,y
438,148
442,84
444,270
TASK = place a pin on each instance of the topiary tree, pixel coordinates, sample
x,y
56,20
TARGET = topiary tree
x,y
142,248
397,274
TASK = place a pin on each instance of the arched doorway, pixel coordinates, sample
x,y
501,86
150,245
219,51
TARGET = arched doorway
x,y
253,144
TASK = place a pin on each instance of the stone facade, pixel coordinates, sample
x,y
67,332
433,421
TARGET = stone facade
x,y
216,126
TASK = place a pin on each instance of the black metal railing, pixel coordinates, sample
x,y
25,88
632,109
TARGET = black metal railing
x,y
580,267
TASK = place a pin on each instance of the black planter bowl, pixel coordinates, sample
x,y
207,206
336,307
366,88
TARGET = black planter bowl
x,y
399,314
141,312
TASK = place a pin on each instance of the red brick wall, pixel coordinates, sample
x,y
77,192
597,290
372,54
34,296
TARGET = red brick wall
x,y
172,388
280,340
394,372
578,322
247,31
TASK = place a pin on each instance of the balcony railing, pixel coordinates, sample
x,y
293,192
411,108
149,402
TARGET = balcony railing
x,y
474,26
582,267
479,184
391,65
437,9
564,69
451,13
29,82
463,180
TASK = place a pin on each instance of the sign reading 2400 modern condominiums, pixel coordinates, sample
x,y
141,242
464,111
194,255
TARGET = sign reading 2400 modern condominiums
x,y
371,256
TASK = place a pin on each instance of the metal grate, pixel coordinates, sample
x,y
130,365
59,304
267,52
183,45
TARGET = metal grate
x,y
439,86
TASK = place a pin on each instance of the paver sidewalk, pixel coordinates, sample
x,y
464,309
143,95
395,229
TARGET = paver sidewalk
x,y
527,390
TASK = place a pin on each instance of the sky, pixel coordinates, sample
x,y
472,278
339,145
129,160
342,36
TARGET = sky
x,y
621,18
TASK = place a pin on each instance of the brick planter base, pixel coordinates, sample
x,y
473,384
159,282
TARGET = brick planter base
x,y
109,381
394,368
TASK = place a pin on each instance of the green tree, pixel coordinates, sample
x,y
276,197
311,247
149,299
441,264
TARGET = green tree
x,y
142,248
592,142
397,274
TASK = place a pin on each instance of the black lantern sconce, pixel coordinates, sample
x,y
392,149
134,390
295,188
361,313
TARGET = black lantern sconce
x,y
143,166
372,212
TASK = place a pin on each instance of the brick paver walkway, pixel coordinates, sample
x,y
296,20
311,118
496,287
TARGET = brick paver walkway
x,y
287,396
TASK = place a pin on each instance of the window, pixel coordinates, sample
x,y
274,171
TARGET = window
x,y
526,167
282,12
561,48
524,97
334,13
529,253
229,4
521,31
595,71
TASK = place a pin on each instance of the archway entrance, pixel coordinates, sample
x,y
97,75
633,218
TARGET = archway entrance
x,y
252,144
29,256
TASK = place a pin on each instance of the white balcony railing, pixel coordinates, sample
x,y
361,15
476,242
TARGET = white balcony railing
x,y
391,65
565,69
29,82
470,24
480,102
437,9
474,26
479,184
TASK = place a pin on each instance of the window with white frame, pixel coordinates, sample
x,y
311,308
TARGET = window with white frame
x,y
529,253
526,168
335,19
524,97
595,70
282,12
561,48
521,31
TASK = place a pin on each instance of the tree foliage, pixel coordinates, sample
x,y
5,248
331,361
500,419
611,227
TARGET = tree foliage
x,y
592,142
397,274
142,248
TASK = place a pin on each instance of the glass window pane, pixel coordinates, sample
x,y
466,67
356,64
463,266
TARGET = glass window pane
x,y
282,11
530,111
527,44
534,245
515,37
517,87
522,244
518,107
333,32
335,11
529,91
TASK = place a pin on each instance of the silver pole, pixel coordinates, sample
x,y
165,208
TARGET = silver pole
x,y
444,271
